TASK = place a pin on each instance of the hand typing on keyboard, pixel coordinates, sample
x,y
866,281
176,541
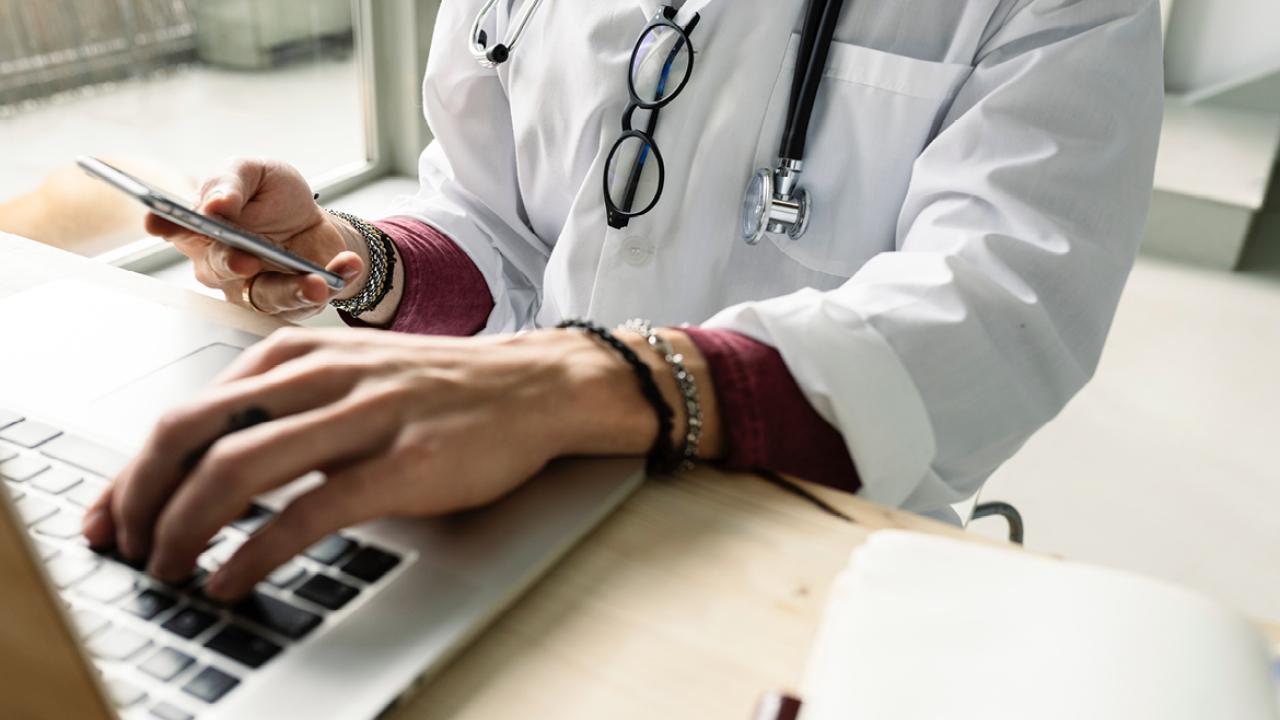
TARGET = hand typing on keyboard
x,y
399,425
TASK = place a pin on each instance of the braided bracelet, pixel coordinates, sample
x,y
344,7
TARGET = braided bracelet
x,y
684,380
382,268
663,457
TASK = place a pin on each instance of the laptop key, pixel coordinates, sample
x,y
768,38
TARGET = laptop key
x,y
14,489
370,564
88,622
116,643
286,575
124,693
330,549
253,519
277,615
243,646
62,526
166,664
22,468
33,509
165,711
7,454
56,480
45,550
189,622
29,433
108,584
148,604
326,592
210,685
86,455
86,492
8,417
67,569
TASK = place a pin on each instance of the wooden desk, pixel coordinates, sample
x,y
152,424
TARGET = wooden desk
x,y
698,595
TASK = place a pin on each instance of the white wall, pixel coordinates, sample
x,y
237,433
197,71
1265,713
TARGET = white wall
x,y
1212,41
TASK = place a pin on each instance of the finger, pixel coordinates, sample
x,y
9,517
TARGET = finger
x,y
174,447
225,263
348,266
96,525
244,465
282,346
227,194
348,498
276,293
161,227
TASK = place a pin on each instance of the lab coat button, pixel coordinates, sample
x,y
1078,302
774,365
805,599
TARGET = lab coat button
x,y
637,252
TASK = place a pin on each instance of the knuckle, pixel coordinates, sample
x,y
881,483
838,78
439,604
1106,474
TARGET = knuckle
x,y
223,466
174,424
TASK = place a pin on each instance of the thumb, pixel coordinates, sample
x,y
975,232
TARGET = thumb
x,y
348,266
223,201
226,194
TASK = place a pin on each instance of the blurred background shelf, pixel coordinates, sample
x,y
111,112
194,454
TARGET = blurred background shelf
x,y
1213,189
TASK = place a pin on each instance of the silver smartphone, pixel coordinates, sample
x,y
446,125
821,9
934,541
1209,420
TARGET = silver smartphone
x,y
177,212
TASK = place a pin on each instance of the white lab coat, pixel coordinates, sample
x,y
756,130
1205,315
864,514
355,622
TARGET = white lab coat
x,y
981,171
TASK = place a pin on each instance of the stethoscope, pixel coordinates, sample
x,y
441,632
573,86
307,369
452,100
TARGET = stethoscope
x,y
494,56
774,201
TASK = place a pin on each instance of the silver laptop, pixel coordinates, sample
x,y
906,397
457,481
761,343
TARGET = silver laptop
x,y
341,631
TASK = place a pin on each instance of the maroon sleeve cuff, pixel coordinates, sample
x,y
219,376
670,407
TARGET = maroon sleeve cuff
x,y
768,423
444,292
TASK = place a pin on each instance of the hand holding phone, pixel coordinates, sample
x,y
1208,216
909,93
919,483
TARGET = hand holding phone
x,y
256,224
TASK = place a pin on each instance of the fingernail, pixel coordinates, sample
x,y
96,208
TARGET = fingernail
x,y
301,296
350,274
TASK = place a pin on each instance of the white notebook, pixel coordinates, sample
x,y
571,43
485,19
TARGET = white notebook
x,y
922,627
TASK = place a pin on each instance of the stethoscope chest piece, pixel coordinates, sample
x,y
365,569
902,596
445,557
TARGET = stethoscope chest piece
x,y
774,204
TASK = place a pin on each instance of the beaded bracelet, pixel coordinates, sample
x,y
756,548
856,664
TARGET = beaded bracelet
x,y
684,380
382,268
663,458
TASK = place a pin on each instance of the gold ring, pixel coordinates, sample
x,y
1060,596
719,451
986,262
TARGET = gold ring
x,y
246,294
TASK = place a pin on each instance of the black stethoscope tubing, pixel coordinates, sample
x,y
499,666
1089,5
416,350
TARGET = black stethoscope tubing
x,y
811,63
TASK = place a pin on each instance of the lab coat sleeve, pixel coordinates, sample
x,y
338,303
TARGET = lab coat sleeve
x,y
1018,232
469,191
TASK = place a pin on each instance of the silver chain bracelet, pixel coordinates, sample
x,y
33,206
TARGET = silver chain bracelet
x,y
382,265
684,380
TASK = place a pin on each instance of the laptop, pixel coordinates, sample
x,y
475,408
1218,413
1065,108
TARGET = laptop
x,y
343,630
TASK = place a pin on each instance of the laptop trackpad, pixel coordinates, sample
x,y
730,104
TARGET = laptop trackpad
x,y
127,414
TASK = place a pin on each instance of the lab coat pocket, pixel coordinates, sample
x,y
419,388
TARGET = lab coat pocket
x,y
875,113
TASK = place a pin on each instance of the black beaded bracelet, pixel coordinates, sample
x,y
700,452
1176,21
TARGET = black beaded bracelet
x,y
663,457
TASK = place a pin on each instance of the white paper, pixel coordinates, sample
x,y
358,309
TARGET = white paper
x,y
926,627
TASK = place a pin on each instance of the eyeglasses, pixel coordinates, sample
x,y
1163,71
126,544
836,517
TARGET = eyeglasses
x,y
661,65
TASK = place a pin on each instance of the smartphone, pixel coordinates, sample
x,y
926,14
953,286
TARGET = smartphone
x,y
177,212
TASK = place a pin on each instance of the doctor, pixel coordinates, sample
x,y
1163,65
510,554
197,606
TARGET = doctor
x,y
898,231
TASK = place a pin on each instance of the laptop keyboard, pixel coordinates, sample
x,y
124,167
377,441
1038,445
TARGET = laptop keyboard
x,y
168,651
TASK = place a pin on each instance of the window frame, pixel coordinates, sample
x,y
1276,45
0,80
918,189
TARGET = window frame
x,y
392,43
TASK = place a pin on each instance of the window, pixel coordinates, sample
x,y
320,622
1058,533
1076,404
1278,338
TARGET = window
x,y
167,90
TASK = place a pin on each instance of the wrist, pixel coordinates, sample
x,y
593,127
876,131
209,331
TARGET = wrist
x,y
602,410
